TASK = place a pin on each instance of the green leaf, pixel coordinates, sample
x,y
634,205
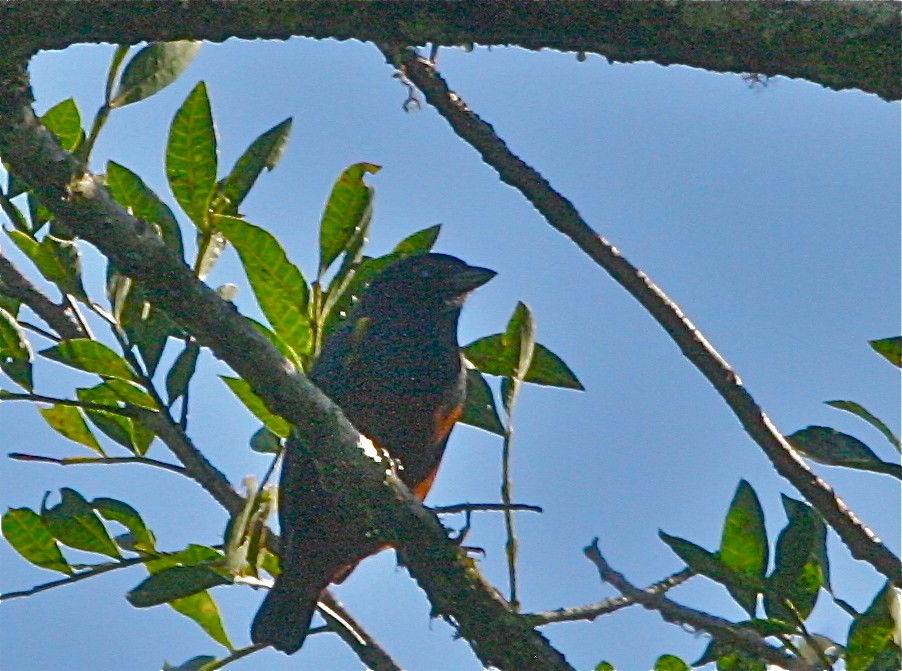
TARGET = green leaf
x,y
278,343
489,355
202,609
480,410
126,431
131,393
740,661
834,448
174,583
348,283
265,441
255,404
769,627
420,242
26,532
10,303
797,576
520,342
264,152
871,633
37,213
15,351
743,544
64,121
278,284
17,218
152,69
119,511
888,659
133,194
604,666
197,663
90,356
347,211
69,421
182,371
58,261
191,156
698,559
193,555
889,348
862,412
670,663
146,326
73,522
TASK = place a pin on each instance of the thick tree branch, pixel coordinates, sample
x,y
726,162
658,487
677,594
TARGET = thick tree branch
x,y
457,591
562,215
836,44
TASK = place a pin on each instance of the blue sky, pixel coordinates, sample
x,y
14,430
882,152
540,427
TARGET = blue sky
x,y
770,215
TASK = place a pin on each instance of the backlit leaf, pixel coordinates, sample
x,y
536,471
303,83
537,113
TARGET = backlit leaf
x,y
191,159
153,68
74,523
348,209
26,532
15,351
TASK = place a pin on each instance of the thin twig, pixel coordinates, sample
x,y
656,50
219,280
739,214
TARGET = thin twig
x,y
719,628
507,492
37,329
480,507
126,411
563,216
606,606
68,580
78,461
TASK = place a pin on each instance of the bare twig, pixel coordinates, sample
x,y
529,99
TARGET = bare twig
x,y
563,216
83,575
479,507
77,461
606,606
718,628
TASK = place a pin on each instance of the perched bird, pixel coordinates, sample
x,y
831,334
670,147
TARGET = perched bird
x,y
395,368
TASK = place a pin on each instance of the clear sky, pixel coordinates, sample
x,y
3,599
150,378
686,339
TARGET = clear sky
x,y
770,215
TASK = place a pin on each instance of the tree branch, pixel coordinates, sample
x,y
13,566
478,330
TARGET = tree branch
x,y
345,458
836,44
606,606
58,317
718,628
563,216
77,577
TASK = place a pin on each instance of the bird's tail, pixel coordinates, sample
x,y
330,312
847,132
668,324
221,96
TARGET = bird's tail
x,y
284,618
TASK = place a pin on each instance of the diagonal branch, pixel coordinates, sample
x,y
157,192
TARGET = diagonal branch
x,y
344,457
563,216
718,628
59,317
606,606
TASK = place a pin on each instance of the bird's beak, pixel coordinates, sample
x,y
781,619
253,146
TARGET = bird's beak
x,y
472,278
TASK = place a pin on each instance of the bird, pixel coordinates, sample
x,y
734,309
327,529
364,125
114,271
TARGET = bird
x,y
395,368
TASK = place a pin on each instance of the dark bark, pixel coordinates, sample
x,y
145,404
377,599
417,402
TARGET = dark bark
x,y
837,44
